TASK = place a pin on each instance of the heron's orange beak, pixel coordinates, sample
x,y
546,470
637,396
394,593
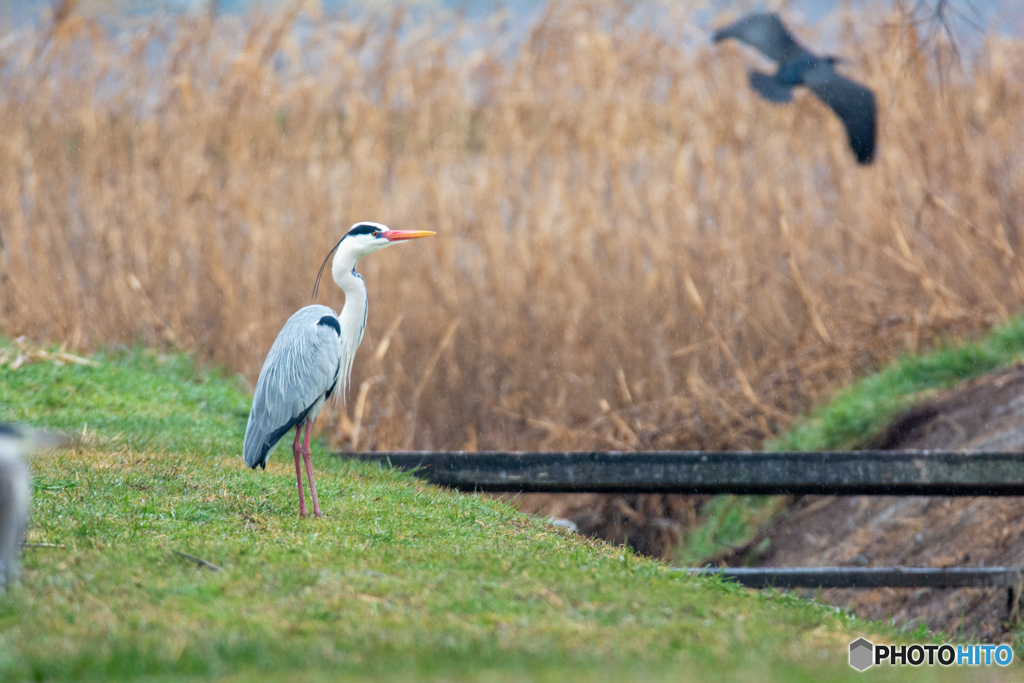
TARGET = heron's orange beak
x,y
399,235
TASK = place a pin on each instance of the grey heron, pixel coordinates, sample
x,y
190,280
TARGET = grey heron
x,y
15,492
312,356
852,102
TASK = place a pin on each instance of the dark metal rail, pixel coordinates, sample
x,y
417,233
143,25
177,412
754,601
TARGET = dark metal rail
x,y
867,577
897,473
880,473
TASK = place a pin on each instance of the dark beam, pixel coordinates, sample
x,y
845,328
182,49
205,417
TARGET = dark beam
x,y
897,473
867,577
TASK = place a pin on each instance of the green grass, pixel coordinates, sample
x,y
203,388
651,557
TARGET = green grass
x,y
727,522
399,581
140,398
851,419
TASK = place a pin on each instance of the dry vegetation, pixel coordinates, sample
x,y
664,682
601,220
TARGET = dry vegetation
x,y
633,250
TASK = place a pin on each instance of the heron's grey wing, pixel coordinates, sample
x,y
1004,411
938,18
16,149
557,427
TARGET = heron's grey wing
x,y
301,368
15,493
768,87
766,33
852,102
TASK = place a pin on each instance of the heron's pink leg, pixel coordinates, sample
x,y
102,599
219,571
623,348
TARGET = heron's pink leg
x,y
309,471
298,470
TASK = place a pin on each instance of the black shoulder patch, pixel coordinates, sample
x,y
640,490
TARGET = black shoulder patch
x,y
330,321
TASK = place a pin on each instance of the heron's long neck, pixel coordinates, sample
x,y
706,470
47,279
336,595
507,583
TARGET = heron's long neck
x,y
353,313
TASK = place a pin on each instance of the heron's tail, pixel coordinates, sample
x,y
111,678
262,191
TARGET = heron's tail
x,y
253,454
261,438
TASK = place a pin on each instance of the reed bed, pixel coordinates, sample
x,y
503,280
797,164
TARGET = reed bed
x,y
633,250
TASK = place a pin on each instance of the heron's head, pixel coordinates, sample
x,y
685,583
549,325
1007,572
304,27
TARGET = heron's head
x,y
361,239
365,238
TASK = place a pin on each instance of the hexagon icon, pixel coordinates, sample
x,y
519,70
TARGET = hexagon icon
x,y
862,654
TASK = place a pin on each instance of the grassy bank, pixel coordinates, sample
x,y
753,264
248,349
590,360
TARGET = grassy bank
x,y
398,579
856,414
851,419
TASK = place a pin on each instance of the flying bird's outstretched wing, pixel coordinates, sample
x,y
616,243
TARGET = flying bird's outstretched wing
x,y
768,87
301,369
766,33
852,102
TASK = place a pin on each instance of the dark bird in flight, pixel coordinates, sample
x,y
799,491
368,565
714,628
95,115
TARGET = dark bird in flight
x,y
852,102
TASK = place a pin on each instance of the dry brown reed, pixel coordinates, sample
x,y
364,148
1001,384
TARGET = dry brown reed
x,y
633,250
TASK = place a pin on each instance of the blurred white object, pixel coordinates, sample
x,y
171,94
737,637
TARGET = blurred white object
x,y
15,494
564,523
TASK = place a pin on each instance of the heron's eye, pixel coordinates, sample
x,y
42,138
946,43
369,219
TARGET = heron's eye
x,y
376,233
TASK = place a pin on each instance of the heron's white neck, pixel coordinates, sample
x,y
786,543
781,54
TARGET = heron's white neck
x,y
353,313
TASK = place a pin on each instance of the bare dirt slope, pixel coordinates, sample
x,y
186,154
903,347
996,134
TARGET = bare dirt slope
x,y
982,414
